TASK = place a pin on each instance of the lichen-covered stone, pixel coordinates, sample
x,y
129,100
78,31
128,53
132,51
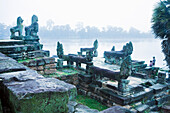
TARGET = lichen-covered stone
x,y
39,95
40,68
49,60
49,71
50,66
40,62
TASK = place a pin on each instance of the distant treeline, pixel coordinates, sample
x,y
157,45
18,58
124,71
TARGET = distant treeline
x,y
54,31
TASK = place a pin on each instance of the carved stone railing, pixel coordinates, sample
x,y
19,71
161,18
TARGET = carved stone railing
x,y
116,57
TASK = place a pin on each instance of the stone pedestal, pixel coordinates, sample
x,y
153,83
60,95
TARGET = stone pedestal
x,y
122,86
161,78
60,63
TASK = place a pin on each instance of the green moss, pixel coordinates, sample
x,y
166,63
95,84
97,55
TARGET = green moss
x,y
72,94
91,103
27,60
63,72
47,102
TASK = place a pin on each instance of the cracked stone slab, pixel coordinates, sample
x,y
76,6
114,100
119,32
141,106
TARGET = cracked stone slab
x,y
20,76
25,88
7,65
40,95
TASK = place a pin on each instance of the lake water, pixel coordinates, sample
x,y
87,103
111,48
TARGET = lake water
x,y
143,49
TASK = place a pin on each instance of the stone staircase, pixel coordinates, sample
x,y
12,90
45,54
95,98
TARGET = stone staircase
x,y
18,49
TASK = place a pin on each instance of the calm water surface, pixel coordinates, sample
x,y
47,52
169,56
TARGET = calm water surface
x,y
144,49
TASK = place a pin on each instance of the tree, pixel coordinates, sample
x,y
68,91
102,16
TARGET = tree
x,y
161,26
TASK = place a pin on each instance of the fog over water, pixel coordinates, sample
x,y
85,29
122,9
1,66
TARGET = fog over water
x,y
143,49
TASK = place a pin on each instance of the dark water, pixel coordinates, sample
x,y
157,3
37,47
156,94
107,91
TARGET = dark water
x,y
144,49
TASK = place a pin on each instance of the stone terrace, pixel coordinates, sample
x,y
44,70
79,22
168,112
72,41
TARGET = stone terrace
x,y
23,90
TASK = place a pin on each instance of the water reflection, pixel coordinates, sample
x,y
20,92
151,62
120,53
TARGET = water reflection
x,y
144,49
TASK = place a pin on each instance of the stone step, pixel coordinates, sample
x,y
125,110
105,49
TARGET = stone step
x,y
27,91
142,108
11,42
9,65
16,49
79,108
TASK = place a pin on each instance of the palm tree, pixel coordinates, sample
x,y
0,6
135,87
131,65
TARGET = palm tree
x,y
161,26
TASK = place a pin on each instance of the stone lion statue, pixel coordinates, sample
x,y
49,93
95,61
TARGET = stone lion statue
x,y
33,28
17,28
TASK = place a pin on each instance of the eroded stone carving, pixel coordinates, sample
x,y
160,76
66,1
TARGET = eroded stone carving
x,y
33,28
18,29
60,51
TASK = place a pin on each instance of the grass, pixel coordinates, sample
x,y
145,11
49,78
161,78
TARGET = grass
x,y
63,72
91,103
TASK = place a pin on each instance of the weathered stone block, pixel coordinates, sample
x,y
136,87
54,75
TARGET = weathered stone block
x,y
40,68
40,72
40,62
142,109
85,78
109,94
25,63
144,95
49,71
20,76
39,95
158,88
84,109
11,42
60,63
32,63
50,66
33,68
49,60
7,65
116,109
166,109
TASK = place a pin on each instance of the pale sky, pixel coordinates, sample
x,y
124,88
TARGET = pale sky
x,y
99,13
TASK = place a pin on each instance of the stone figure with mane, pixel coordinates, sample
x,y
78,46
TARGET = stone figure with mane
x,y
33,28
18,29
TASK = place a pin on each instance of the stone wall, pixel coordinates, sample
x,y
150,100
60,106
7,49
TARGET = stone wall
x,y
43,66
23,90
144,97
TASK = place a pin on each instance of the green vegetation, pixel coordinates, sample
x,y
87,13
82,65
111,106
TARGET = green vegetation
x,y
27,60
161,26
91,103
63,72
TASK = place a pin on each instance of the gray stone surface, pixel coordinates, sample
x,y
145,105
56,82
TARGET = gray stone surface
x,y
20,76
84,109
142,108
23,89
116,109
8,65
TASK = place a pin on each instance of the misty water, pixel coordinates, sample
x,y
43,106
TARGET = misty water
x,y
143,49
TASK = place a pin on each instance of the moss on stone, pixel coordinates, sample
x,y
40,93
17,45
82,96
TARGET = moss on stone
x,y
27,60
63,72
72,94
46,102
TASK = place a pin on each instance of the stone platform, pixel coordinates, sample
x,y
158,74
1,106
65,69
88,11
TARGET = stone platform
x,y
24,90
11,42
18,49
